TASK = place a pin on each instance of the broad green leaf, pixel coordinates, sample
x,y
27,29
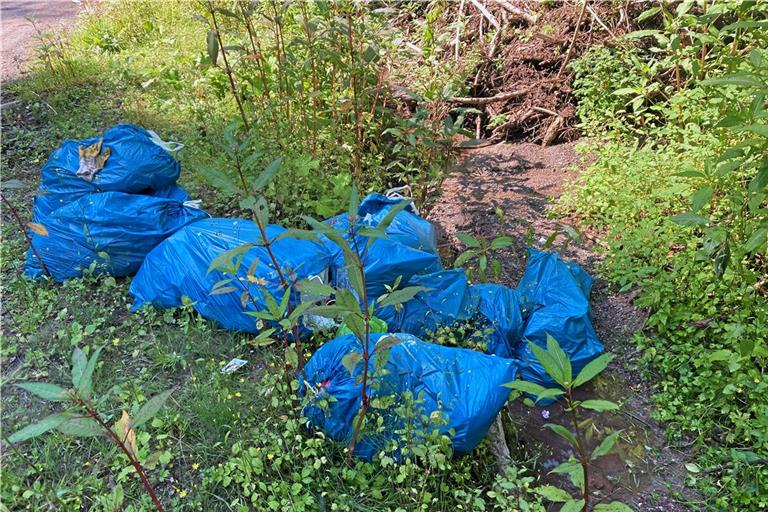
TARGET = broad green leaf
x,y
41,427
573,506
574,470
648,14
81,427
385,343
86,380
468,240
351,360
315,288
552,493
213,46
540,392
551,366
561,358
220,181
502,242
693,468
464,257
614,506
354,204
599,405
392,213
46,391
223,290
400,296
758,129
225,261
261,212
605,446
689,219
562,432
701,198
737,79
79,361
757,240
592,369
267,174
149,409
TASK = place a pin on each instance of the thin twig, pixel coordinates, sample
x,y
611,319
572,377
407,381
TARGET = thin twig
x,y
599,21
527,16
503,96
573,39
491,19
457,40
23,229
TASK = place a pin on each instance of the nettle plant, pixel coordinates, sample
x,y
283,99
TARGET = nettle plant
x,y
557,365
82,416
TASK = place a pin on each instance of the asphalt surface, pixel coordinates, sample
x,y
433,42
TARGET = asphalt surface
x,y
17,33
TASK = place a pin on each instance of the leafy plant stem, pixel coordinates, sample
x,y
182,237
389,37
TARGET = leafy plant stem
x,y
132,458
227,67
23,229
580,447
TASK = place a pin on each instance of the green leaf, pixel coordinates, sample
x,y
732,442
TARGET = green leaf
x,y
267,174
758,129
149,409
400,296
540,392
757,240
599,405
223,290
392,213
573,506
385,343
468,240
737,79
351,360
464,257
227,261
562,432
574,470
689,219
46,391
79,361
502,242
315,288
41,427
220,181
213,46
614,506
86,380
650,13
81,427
701,198
12,184
354,204
693,468
592,369
561,359
605,446
551,366
552,493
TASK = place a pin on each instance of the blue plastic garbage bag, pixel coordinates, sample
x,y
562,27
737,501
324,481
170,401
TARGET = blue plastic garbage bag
x,y
450,298
464,386
178,267
555,296
140,162
409,249
113,229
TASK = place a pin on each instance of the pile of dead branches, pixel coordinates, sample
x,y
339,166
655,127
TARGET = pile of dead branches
x,y
523,85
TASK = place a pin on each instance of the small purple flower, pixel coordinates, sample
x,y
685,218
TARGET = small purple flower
x,y
545,414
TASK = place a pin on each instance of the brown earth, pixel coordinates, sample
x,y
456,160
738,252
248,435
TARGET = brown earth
x,y
509,189
18,33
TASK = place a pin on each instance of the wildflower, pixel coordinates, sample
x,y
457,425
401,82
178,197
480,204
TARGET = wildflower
x,y
195,465
229,397
545,414
116,341
183,494
238,395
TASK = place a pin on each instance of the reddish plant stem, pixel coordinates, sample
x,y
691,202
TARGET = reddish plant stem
x,y
232,85
364,398
583,457
23,229
134,462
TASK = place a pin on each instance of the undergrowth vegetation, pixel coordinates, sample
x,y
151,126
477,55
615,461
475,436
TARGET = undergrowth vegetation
x,y
679,189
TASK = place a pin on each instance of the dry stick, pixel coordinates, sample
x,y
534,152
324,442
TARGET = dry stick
x,y
600,22
530,18
23,228
226,66
457,40
491,19
573,39
134,462
503,96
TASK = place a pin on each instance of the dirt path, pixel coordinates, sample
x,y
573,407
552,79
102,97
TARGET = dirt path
x,y
17,33
509,189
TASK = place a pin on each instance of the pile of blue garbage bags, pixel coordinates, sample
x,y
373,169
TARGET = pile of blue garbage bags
x,y
130,217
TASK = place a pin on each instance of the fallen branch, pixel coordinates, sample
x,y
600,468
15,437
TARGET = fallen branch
x,y
503,96
600,22
527,16
573,39
491,19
